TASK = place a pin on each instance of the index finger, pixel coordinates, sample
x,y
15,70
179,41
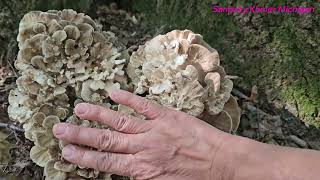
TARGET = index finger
x,y
143,106
118,121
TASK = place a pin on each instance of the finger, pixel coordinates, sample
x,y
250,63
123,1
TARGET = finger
x,y
143,106
112,163
101,139
114,119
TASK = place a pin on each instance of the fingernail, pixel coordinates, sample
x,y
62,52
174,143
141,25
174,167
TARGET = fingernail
x,y
114,93
59,129
68,151
81,108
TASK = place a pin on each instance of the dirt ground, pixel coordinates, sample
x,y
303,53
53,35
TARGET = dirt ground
x,y
260,121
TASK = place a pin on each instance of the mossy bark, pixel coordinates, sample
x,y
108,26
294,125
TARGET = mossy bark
x,y
278,52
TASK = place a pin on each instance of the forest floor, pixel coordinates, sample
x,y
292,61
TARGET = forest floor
x,y
259,121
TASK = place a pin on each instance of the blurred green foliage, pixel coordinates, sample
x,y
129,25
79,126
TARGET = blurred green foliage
x,y
79,5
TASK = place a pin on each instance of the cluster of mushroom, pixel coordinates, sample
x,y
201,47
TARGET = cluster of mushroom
x,y
182,71
64,55
65,58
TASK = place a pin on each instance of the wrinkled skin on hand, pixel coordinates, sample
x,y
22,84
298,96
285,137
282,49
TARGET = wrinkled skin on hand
x,y
169,145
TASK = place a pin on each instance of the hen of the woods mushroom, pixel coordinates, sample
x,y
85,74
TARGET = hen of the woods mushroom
x,y
66,58
180,70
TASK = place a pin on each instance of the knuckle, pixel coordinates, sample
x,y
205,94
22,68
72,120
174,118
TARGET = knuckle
x,y
145,106
131,166
80,155
122,122
105,140
174,114
100,114
147,172
104,163
151,108
163,112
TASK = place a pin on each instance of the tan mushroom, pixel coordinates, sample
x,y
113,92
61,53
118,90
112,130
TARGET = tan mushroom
x,y
51,173
63,55
202,59
232,108
40,155
222,121
181,71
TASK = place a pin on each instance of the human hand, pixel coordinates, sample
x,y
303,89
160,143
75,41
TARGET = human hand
x,y
169,145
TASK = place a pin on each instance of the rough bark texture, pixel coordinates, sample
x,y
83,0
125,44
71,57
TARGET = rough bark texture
x,y
278,52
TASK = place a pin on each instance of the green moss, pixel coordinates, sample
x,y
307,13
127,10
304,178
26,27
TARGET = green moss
x,y
301,79
308,108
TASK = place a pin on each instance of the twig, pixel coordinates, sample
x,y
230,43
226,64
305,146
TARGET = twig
x,y
248,106
239,94
11,127
1,59
8,56
12,68
232,77
256,110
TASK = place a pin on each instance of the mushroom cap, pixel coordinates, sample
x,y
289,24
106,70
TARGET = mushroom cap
x,y
215,101
201,58
228,120
222,121
40,155
52,173
64,166
232,108
190,37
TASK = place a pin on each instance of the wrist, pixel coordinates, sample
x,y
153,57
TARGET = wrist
x,y
239,158
253,160
222,163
